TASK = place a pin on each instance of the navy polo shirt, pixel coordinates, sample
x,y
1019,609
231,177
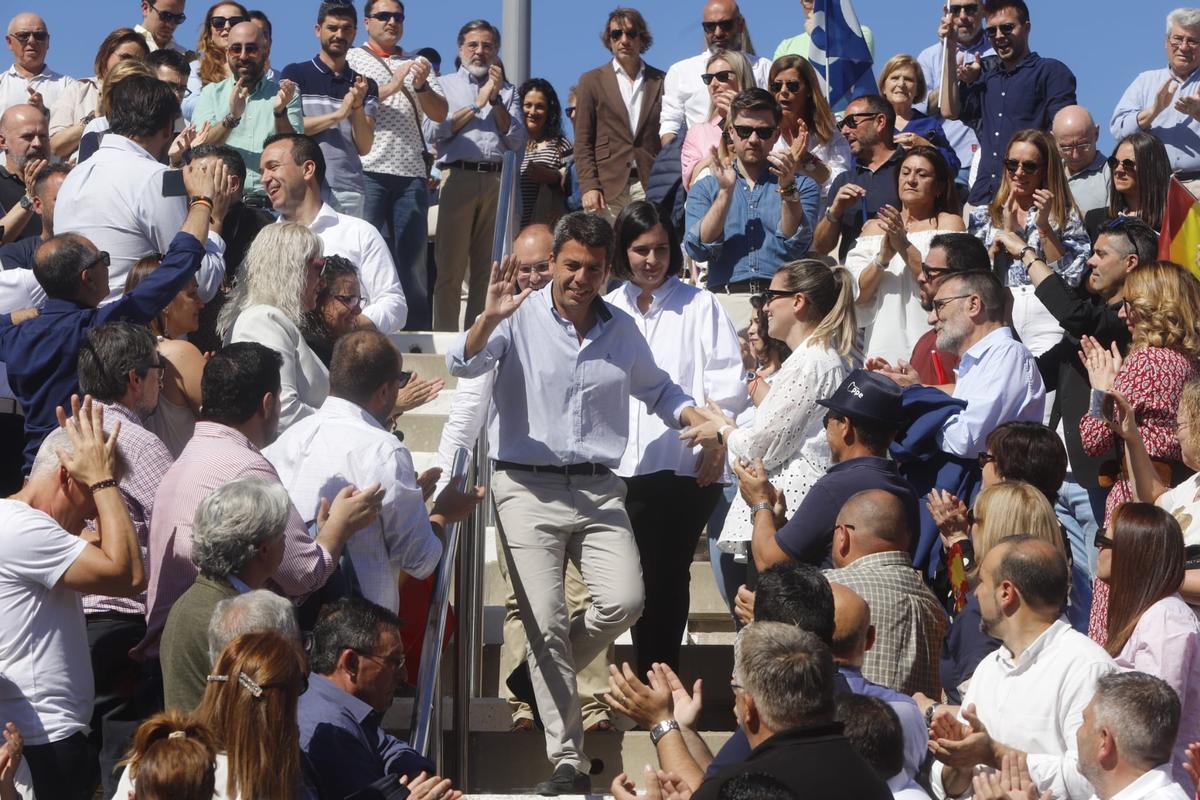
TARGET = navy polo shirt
x,y
881,191
808,535
321,92
1001,102
19,254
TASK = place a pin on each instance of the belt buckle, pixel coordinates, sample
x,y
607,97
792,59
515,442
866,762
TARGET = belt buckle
x,y
756,286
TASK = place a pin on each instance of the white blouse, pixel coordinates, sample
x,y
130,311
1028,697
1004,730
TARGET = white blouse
x,y
304,381
787,434
835,154
895,320
694,340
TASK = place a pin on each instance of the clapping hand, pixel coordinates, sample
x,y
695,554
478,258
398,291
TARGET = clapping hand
x,y
1188,104
743,605
685,706
287,90
783,167
659,786
846,196
723,170
1043,199
501,302
1102,365
949,515
894,235
799,146
960,745
417,392
420,68
968,71
1122,420
1163,97
238,98
430,787
903,374
646,704
1010,782
36,100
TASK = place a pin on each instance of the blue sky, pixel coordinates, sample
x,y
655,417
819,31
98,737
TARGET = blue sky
x,y
1104,42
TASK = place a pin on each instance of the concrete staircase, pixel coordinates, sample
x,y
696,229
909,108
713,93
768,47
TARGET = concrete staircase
x,y
510,764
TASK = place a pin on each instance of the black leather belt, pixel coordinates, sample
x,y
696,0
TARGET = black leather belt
x,y
474,166
569,469
744,287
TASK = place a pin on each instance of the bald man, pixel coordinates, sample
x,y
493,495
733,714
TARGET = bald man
x,y
870,553
1087,169
853,638
25,140
29,80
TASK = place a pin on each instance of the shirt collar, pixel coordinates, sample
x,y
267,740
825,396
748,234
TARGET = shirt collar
x,y
215,430
237,583
45,73
1158,778
331,693
124,412
1031,58
326,218
326,70
657,296
603,313
978,350
888,558
1035,649
339,408
466,75
617,68
1097,164
116,142
875,462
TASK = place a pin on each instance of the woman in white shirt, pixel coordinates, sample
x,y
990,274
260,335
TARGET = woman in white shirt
x,y
810,307
886,261
808,129
671,488
277,284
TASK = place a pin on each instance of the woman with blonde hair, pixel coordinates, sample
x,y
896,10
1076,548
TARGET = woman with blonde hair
x,y
902,83
810,307
1162,311
726,73
277,284
808,128
1033,218
212,66
171,758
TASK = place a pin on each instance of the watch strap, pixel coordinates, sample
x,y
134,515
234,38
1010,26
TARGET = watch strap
x,y
662,729
762,505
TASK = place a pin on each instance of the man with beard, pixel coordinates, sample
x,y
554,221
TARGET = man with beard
x,y
247,107
339,107
1030,693
483,122
685,99
25,139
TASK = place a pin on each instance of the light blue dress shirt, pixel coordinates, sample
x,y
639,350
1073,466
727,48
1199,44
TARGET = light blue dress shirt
x,y
752,246
559,401
999,379
1178,132
480,139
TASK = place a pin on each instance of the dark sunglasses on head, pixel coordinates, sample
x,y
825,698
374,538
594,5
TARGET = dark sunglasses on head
x,y
851,121
965,8
1012,164
226,22
1128,163
721,76
24,36
1005,29
387,16
777,86
724,24
170,17
616,33
764,132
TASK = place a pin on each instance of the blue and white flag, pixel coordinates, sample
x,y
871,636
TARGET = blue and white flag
x,y
839,53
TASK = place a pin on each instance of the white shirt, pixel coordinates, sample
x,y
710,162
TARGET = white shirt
x,y
46,685
125,784
905,788
360,242
685,97
693,339
1156,784
468,413
18,290
115,200
999,379
304,381
343,445
153,45
787,434
1183,502
631,91
1035,704
14,89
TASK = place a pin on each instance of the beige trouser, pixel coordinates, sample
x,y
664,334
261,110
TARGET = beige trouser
x,y
592,679
633,191
738,307
463,245
548,519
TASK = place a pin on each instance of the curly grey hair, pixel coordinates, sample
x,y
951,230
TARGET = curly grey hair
x,y
274,274
234,520
259,610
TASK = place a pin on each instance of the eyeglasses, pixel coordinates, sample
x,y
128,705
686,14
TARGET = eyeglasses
x,y
102,257
985,458
393,662
350,301
764,132
616,33
1103,541
24,36
1012,165
724,24
570,112
159,364
404,378
249,48
1178,41
180,89
225,22
934,273
387,16
851,120
170,17
1128,164
845,525
534,266
1003,29
480,45
938,305
721,76
1074,147
966,8
777,86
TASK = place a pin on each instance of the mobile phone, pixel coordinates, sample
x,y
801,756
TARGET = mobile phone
x,y
1108,408
172,183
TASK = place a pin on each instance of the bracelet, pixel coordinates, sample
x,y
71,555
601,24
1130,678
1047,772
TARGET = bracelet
x,y
829,216
929,713
230,122
762,505
1026,249
200,200
281,114
721,435
107,483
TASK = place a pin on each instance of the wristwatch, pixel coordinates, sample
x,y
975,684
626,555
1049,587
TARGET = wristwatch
x,y
662,729
278,114
26,202
230,122
762,505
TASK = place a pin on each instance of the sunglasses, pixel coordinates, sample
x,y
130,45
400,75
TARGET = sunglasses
x,y
965,8
851,121
24,36
1128,164
225,22
985,458
101,258
765,297
1003,29
249,48
387,16
764,132
722,76
1103,541
777,86
616,33
170,17
570,111
1012,165
934,273
724,24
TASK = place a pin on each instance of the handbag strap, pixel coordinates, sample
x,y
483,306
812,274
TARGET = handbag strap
x,y
411,100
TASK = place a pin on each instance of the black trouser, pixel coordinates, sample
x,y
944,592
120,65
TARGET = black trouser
x,y
64,769
125,692
667,512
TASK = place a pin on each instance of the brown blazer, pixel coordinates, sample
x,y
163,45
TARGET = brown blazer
x,y
604,145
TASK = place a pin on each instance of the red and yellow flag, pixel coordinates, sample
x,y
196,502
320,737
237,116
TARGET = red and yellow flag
x,y
1180,237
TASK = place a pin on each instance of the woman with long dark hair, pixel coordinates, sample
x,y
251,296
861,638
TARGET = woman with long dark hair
x,y
808,128
671,488
1140,174
546,154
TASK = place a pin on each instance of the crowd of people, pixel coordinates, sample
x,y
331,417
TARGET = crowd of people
x,y
912,364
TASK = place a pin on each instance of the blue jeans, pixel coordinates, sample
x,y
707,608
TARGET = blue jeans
x,y
399,208
1077,511
727,573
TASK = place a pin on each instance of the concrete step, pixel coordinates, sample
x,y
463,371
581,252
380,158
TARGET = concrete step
x,y
429,365
423,341
422,430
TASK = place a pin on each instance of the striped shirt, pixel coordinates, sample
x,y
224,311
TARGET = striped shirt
x,y
216,455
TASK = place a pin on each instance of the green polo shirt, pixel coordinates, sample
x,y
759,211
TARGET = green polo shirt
x,y
257,123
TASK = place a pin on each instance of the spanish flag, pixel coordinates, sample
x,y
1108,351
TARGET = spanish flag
x,y
1180,237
